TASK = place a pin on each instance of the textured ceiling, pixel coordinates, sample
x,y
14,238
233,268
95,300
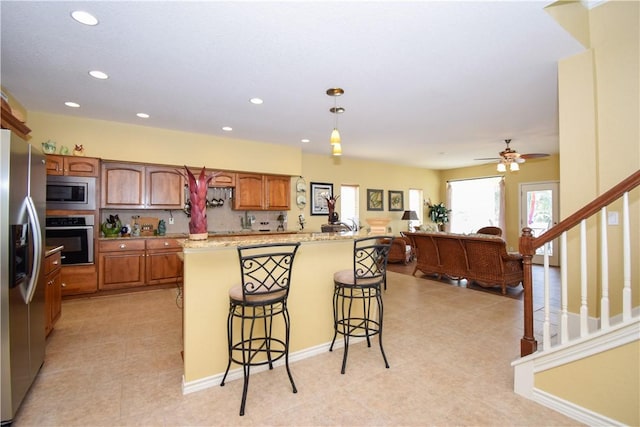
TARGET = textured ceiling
x,y
432,84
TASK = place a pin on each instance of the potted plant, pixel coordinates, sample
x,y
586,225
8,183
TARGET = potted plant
x,y
439,214
331,206
197,202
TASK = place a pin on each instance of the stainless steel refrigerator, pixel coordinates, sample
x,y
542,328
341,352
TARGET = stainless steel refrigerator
x,y
22,210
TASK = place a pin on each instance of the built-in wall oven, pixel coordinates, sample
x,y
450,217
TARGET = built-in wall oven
x,y
75,233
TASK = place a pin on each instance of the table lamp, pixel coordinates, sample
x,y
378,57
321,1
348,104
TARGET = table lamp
x,y
410,216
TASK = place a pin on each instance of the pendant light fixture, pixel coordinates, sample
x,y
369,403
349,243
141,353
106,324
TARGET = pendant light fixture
x,y
334,139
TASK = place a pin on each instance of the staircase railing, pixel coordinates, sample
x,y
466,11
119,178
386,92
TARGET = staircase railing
x,y
529,244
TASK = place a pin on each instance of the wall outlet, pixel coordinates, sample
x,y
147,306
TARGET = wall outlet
x,y
171,221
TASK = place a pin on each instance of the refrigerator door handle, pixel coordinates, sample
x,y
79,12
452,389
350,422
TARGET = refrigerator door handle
x,y
37,249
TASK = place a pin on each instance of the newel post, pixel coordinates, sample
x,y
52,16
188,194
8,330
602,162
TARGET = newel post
x,y
528,343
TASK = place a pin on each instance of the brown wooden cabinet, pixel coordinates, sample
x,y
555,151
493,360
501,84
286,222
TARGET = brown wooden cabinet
x,y
72,166
79,279
137,186
277,192
262,192
164,188
121,263
129,263
53,291
163,264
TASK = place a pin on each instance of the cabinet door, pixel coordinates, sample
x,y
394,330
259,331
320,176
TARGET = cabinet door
x,y
123,185
81,166
54,165
248,192
277,192
79,279
223,179
121,269
55,295
165,188
163,266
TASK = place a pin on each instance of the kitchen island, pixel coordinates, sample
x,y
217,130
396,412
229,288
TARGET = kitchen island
x,y
211,268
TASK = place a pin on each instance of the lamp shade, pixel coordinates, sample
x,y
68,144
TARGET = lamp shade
x,y
335,137
410,215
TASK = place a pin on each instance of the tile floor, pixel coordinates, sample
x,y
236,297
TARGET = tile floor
x,y
115,361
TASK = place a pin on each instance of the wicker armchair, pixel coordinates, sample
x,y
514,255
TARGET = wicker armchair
x,y
494,231
400,250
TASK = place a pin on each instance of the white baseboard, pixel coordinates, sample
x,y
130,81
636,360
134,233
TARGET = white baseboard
x,y
572,410
236,374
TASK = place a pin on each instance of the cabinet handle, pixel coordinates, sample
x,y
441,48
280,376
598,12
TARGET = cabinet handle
x,y
166,243
64,285
55,262
122,246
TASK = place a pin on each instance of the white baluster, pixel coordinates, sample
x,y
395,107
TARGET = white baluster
x,y
546,334
626,259
564,316
604,266
584,309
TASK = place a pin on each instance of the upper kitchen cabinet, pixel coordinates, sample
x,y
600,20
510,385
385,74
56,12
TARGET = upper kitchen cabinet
x,y
123,186
249,192
277,192
134,186
262,192
165,188
72,166
223,179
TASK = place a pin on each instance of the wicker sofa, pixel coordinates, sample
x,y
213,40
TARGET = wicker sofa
x,y
481,259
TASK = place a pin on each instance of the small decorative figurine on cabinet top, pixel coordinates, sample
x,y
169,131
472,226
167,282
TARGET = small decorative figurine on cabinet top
x,y
78,150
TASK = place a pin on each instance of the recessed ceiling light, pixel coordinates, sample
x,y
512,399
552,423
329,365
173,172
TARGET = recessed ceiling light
x,y
72,104
227,128
305,140
143,115
98,75
84,17
256,101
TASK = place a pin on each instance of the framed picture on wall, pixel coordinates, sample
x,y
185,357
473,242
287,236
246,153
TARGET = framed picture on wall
x,y
319,193
396,200
375,199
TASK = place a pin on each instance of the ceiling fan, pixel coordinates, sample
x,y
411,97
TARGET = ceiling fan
x,y
511,157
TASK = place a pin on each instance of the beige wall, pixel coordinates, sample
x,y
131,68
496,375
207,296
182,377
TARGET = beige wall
x,y
614,395
118,141
538,170
368,175
599,94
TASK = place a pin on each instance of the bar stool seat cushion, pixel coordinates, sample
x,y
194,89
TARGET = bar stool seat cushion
x,y
260,297
346,278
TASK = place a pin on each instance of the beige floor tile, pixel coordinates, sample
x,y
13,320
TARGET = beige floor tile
x,y
116,361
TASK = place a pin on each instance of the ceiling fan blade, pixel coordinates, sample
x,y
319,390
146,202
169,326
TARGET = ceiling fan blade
x,y
489,158
533,155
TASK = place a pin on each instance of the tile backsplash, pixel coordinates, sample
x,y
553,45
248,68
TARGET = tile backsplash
x,y
219,219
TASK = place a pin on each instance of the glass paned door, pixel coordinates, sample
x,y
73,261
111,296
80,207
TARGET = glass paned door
x,y
539,211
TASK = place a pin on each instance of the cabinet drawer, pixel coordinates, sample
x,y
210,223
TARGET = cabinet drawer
x,y
122,245
153,244
52,262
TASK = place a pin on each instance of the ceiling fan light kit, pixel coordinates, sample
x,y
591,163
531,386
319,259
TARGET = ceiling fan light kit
x,y
511,158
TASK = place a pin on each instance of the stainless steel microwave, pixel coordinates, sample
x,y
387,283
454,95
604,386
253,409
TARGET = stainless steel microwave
x,y
71,192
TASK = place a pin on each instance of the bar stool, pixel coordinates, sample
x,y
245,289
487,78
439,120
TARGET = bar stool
x,y
265,272
358,293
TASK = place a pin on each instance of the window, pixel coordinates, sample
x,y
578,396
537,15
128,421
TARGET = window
x,y
475,203
349,206
415,204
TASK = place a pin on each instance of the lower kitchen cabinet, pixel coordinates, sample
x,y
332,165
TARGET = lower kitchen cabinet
x,y
163,264
121,264
53,291
130,263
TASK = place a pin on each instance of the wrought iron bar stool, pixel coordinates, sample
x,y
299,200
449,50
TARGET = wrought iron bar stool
x,y
260,299
357,297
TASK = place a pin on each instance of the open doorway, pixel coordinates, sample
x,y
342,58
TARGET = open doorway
x,y
539,211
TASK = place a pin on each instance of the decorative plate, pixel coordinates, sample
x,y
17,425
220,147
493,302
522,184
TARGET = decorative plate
x,y
301,200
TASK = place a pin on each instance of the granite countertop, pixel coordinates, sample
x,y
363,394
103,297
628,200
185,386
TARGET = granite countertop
x,y
212,235
254,239
50,250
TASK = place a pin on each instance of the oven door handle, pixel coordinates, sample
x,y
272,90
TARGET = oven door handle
x,y
71,227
